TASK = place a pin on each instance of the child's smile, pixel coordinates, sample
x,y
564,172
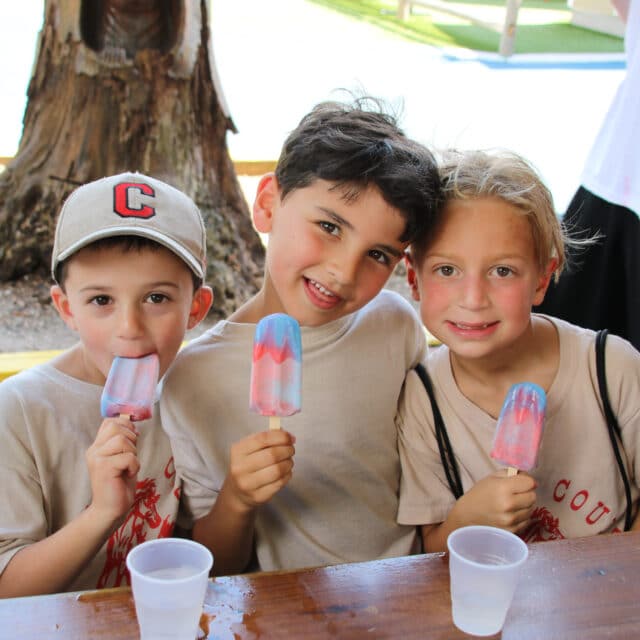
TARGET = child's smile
x,y
480,277
320,295
473,330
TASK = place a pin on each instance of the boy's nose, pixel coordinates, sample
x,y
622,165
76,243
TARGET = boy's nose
x,y
129,323
344,269
474,292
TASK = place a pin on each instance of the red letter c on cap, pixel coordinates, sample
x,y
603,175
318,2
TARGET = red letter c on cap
x,y
121,205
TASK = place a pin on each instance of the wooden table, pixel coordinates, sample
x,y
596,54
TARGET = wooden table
x,y
588,588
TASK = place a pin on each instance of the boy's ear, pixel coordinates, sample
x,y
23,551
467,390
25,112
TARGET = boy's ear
x,y
200,305
412,278
265,200
544,280
62,306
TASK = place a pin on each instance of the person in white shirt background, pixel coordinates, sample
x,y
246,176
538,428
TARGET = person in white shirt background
x,y
601,289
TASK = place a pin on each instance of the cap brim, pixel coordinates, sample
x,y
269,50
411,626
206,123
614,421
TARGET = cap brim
x,y
130,230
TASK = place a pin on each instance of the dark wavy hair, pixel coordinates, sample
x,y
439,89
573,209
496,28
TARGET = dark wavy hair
x,y
357,146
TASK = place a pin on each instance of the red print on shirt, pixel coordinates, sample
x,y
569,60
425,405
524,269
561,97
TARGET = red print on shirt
x,y
142,517
543,526
576,504
169,473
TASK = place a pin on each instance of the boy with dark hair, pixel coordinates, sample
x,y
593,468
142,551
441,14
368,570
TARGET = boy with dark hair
x,y
78,490
348,194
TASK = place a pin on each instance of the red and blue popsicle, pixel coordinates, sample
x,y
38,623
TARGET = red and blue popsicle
x,y
130,389
276,372
520,426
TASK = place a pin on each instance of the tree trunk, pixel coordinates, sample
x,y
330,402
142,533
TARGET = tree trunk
x,y
127,85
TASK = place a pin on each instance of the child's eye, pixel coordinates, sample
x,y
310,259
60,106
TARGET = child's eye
x,y
100,301
330,227
157,298
446,270
380,256
503,272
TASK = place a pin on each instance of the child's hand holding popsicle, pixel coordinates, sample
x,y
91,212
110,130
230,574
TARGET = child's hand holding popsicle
x,y
260,465
507,498
517,439
516,444
113,467
497,501
128,395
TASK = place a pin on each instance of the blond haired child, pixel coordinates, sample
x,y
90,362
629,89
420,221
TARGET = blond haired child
x,y
477,273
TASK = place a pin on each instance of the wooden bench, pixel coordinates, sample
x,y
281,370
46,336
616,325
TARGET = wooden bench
x,y
507,29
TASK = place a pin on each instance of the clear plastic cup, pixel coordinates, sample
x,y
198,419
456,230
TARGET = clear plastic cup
x,y
484,566
169,579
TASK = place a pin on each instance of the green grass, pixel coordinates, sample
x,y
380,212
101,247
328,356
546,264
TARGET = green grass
x,y
543,25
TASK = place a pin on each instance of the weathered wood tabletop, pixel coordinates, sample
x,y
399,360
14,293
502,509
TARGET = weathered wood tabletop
x,y
582,589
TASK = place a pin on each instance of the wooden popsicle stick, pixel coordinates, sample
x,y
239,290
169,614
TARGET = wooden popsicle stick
x,y
512,471
274,422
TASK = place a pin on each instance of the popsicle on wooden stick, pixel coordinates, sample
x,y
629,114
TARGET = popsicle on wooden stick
x,y
276,372
130,388
520,425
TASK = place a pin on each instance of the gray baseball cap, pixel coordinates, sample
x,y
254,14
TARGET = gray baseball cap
x,y
131,204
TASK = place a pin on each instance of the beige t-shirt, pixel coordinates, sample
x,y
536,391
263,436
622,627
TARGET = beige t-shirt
x,y
47,422
341,504
580,491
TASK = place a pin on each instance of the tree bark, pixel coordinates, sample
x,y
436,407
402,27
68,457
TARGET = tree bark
x,y
124,85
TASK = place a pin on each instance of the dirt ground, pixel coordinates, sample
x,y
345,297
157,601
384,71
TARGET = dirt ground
x,y
28,321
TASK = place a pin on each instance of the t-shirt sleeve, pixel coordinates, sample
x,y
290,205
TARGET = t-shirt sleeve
x,y
425,496
181,420
22,517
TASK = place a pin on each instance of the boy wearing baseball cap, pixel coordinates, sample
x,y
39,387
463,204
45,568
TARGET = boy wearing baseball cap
x,y
78,490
